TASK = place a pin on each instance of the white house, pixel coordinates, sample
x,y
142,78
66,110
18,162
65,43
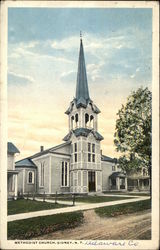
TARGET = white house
x,y
77,165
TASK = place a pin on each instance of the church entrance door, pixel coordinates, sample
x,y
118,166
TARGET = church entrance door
x,y
91,181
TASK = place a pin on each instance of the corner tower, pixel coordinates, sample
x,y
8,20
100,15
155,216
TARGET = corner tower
x,y
85,166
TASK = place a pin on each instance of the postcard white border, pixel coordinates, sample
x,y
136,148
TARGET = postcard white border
x,y
149,244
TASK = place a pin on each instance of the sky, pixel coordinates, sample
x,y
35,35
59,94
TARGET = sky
x,y
43,49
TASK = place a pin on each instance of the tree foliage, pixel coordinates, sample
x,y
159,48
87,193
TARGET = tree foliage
x,y
133,131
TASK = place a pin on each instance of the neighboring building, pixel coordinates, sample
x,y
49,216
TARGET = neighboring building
x,y
76,166
139,180
12,186
27,176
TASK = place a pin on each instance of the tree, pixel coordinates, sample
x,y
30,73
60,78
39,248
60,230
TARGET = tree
x,y
133,131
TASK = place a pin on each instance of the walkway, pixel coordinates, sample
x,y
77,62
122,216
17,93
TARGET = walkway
x,y
72,209
70,203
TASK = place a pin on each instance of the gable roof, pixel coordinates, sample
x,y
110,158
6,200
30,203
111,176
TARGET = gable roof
x,y
50,150
11,148
83,132
117,174
25,163
109,159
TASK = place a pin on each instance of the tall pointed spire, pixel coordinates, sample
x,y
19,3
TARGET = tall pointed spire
x,y
82,92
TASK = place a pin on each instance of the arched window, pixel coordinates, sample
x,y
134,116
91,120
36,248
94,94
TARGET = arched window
x,y
72,120
71,178
76,120
144,172
65,174
42,174
91,121
86,120
31,177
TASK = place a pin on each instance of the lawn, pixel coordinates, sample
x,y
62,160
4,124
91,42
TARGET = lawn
x,y
25,206
127,208
92,199
29,228
126,193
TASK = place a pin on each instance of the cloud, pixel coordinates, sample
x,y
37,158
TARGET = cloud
x,y
66,44
138,69
14,78
132,76
68,76
26,50
93,44
94,71
119,46
106,56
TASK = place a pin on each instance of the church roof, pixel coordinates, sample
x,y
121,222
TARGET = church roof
x,y
83,132
82,92
12,149
95,109
50,150
25,163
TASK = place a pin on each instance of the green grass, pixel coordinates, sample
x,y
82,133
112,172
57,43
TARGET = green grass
x,y
92,199
126,193
29,228
127,208
25,206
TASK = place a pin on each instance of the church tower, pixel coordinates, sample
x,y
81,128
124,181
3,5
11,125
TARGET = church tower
x,y
85,164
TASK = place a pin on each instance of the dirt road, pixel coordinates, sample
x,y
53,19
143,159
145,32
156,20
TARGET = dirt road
x,y
124,227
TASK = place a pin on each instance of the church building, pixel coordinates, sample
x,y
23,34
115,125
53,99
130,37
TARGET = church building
x,y
77,165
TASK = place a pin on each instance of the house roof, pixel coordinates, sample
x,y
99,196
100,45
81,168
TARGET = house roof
x,y
12,149
83,132
117,174
109,159
25,163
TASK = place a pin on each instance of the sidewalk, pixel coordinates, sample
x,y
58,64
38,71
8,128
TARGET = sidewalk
x,y
72,209
119,195
70,203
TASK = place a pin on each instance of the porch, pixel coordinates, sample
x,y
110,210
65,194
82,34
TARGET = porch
x,y
12,185
141,183
118,181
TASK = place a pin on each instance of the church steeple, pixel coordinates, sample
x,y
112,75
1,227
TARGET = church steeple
x,y
82,98
82,112
82,92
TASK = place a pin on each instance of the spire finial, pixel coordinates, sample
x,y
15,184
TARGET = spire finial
x,y
80,34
